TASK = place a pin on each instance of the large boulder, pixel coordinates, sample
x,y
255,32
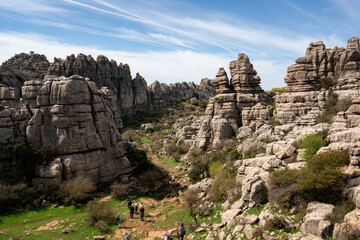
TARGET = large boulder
x,y
315,221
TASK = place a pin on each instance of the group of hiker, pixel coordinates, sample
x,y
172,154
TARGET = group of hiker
x,y
134,208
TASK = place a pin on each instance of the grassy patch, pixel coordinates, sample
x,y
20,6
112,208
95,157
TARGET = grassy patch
x,y
257,209
145,139
169,162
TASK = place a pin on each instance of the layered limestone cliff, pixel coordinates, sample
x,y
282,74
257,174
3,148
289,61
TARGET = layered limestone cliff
x,y
223,114
307,80
134,96
80,123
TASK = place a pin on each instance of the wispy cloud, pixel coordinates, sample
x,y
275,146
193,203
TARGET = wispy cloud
x,y
168,66
29,6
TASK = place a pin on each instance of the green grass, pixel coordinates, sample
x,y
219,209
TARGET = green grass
x,y
13,224
180,215
169,162
145,139
257,209
186,104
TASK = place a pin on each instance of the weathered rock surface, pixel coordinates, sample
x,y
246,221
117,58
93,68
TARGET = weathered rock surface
x,y
223,113
315,219
78,121
133,95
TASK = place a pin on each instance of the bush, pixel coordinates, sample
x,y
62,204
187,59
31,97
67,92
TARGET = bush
x,y
195,174
340,211
328,160
278,90
252,152
18,195
321,180
102,226
117,190
233,154
312,143
215,168
325,186
225,187
21,159
326,83
183,149
275,223
140,159
76,190
192,201
132,135
153,179
100,214
203,103
333,106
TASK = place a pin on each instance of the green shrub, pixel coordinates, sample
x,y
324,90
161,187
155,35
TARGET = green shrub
x,y
203,103
278,90
284,177
139,158
18,195
328,160
21,159
325,186
275,223
333,106
340,211
153,179
175,140
217,99
183,148
195,174
215,168
312,143
321,180
233,154
326,83
117,190
76,190
252,152
100,214
132,135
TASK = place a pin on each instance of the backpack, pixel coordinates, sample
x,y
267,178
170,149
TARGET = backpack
x,y
118,218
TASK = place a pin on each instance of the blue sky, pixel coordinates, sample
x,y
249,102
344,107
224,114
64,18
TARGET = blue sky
x,y
178,40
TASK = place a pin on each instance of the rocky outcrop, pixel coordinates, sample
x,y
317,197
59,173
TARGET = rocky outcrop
x,y
133,95
80,123
315,222
223,115
31,65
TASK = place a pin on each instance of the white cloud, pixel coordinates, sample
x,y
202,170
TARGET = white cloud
x,y
167,66
29,6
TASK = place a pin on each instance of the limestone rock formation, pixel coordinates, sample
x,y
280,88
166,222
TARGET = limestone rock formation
x,y
78,121
320,68
133,95
221,82
244,77
224,111
32,65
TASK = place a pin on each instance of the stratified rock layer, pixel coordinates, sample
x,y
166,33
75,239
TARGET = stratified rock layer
x,y
223,113
134,96
78,121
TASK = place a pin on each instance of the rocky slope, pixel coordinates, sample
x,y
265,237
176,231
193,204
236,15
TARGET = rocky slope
x,y
267,135
133,95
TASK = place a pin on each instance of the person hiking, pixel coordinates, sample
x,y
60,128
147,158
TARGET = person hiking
x,y
129,204
142,212
136,207
127,236
118,219
182,232
132,209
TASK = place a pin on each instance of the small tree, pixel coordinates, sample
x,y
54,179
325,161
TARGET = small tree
x,y
76,190
192,200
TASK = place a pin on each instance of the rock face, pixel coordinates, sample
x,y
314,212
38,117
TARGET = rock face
x,y
305,95
133,95
77,120
224,111
314,221
32,65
